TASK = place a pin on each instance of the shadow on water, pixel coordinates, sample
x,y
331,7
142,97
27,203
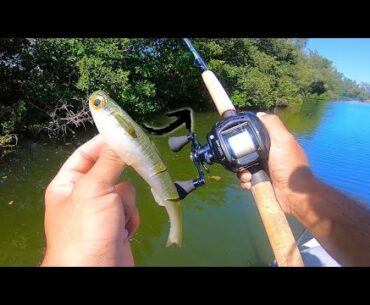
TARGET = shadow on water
x,y
222,226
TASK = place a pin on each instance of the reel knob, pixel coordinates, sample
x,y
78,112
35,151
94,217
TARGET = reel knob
x,y
184,188
177,143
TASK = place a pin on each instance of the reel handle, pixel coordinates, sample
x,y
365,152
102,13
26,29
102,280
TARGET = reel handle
x,y
184,188
177,143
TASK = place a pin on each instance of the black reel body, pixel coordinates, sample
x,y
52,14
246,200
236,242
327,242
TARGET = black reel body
x,y
238,142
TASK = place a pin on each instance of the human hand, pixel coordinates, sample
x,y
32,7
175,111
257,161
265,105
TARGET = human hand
x,y
288,165
88,218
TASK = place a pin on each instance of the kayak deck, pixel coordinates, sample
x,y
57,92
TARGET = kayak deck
x,y
313,254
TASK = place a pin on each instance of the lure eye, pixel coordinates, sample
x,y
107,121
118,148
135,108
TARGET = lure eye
x,y
97,102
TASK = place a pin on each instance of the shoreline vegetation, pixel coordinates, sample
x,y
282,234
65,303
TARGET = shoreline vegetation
x,y
46,82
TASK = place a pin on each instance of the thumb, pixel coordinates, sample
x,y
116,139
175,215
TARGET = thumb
x,y
107,168
273,124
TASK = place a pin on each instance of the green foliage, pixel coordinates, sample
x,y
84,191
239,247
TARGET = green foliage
x,y
45,81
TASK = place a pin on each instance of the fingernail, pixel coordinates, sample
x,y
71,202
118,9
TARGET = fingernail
x,y
246,177
261,113
125,235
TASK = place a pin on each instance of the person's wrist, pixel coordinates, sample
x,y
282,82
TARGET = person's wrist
x,y
116,254
53,258
300,200
77,260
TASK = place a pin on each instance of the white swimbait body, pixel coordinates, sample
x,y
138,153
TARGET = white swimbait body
x,y
127,139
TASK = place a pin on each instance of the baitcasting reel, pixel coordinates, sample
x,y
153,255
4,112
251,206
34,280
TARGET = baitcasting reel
x,y
238,142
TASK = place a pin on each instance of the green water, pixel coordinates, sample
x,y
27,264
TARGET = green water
x,y
221,224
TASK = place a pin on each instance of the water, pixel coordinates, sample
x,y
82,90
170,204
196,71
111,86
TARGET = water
x,y
221,224
336,140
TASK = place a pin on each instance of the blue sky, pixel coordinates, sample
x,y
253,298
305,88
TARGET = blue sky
x,y
351,56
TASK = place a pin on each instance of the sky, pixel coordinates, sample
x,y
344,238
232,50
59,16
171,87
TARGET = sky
x,y
351,56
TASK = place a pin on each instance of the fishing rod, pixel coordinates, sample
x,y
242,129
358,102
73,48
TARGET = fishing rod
x,y
197,57
239,141
221,99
